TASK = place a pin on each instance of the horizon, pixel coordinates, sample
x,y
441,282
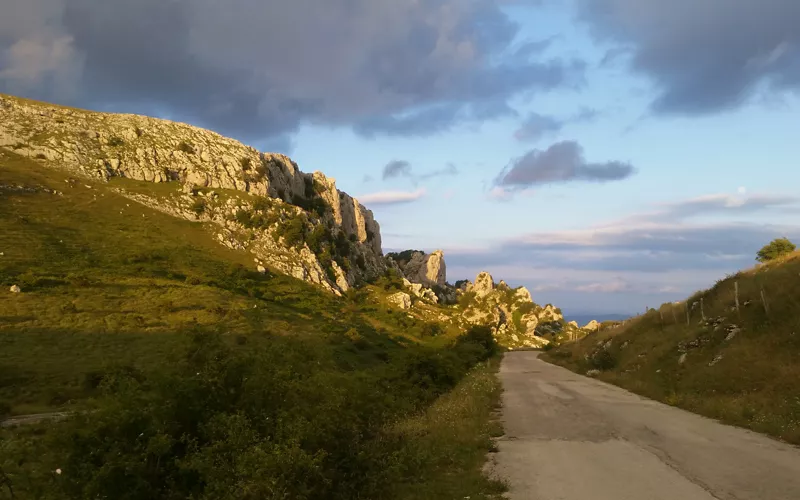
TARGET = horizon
x,y
607,155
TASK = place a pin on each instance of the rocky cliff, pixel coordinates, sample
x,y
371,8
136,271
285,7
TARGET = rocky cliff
x,y
516,319
425,269
221,180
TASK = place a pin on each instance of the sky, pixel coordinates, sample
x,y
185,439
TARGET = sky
x,y
610,155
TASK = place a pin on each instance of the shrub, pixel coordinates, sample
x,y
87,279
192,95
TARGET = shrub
x,y
116,141
775,249
245,163
186,148
262,204
199,206
41,156
603,359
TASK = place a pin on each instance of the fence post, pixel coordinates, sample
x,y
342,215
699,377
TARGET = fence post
x,y
736,284
687,313
674,317
702,308
764,301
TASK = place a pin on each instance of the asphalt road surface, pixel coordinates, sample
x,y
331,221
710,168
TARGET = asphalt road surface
x,y
574,438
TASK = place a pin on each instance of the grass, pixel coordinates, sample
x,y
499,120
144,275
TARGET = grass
x,y
453,436
747,379
115,298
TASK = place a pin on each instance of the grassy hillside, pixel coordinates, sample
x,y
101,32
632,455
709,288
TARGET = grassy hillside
x,y
203,378
741,366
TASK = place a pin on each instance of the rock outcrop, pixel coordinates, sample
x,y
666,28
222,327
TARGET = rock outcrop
x,y
401,300
592,326
426,269
106,146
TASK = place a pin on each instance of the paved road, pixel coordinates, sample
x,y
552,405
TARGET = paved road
x,y
569,437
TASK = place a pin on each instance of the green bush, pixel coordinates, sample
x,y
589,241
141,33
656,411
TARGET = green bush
x,y
186,148
603,359
199,206
272,419
116,141
775,249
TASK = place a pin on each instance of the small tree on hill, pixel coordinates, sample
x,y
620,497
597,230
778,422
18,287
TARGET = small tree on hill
x,y
776,248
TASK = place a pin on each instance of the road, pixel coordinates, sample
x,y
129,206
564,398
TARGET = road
x,y
569,437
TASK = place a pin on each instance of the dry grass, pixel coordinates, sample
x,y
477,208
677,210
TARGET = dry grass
x,y
753,382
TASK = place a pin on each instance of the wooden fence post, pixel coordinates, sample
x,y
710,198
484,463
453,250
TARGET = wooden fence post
x,y
764,301
702,308
674,317
736,284
687,313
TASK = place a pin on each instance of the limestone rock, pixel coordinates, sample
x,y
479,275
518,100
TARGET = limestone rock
x,y
592,326
401,300
484,284
16,289
523,294
426,269
102,146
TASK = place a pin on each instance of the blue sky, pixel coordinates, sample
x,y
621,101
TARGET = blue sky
x,y
607,154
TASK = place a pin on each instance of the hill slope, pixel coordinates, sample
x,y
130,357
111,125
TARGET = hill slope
x,y
204,377
737,364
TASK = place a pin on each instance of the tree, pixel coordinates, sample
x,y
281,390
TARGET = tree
x,y
777,248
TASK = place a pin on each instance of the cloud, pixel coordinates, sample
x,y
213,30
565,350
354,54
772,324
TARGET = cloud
x,y
395,169
449,170
536,126
560,163
703,58
401,168
664,253
392,197
258,68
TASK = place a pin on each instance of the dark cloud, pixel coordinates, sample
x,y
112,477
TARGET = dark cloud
x,y
704,57
449,170
258,68
396,168
535,126
561,162
399,168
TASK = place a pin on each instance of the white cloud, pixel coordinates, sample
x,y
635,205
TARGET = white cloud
x,y
392,197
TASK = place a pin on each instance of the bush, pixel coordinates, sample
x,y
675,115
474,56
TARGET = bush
x,y
246,164
603,359
231,422
116,141
186,148
777,248
199,206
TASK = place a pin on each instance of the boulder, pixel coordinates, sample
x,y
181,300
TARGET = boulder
x,y
401,300
16,289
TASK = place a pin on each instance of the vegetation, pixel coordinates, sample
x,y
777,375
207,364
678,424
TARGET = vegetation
x,y
403,257
116,142
739,365
186,148
776,249
191,375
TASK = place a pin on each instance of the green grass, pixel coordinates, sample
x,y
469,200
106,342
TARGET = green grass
x,y
753,385
160,331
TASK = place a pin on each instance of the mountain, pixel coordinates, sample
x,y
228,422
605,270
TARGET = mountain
x,y
729,352
262,207
584,319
